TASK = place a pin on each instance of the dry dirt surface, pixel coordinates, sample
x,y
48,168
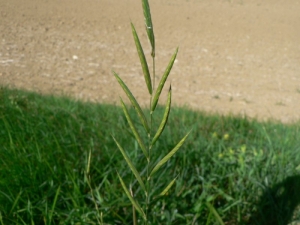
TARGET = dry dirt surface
x,y
235,56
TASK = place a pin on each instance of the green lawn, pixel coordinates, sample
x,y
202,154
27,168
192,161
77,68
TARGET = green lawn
x,y
248,171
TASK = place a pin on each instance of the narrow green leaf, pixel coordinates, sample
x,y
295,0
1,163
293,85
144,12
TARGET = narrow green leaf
x,y
162,81
165,118
15,202
53,205
168,187
149,25
134,130
169,155
142,59
133,202
133,101
213,210
132,167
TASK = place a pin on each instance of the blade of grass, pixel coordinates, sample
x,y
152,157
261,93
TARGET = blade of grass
x,y
168,187
133,102
165,118
162,81
142,59
133,202
213,210
149,25
98,215
15,202
7,127
132,167
53,205
134,130
169,155
1,220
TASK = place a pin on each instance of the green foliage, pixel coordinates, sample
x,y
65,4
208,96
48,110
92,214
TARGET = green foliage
x,y
231,162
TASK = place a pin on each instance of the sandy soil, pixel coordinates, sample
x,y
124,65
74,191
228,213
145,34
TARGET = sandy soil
x,y
235,56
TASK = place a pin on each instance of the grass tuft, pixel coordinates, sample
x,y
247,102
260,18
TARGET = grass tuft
x,y
240,167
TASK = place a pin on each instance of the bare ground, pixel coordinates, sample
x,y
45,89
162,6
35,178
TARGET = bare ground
x,y
235,56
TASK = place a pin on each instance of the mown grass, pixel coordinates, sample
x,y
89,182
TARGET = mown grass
x,y
247,170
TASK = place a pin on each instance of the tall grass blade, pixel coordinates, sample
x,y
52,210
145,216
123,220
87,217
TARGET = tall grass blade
x,y
134,103
134,130
142,59
7,127
88,166
53,205
165,118
1,220
16,201
149,25
168,187
132,167
133,202
169,155
216,214
162,81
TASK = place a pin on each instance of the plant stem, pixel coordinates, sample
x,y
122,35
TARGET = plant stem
x,y
133,209
149,142
153,78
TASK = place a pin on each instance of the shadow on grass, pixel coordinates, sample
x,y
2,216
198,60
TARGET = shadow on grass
x,y
277,204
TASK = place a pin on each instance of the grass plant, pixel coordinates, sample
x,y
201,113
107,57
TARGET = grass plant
x,y
152,165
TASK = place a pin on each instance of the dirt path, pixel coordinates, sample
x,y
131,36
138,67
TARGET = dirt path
x,y
235,56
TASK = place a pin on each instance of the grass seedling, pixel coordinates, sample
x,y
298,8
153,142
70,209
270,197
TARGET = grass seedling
x,y
144,180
